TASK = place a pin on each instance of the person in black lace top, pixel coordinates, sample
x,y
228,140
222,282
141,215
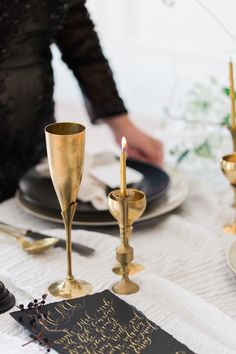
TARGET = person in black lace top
x,y
27,29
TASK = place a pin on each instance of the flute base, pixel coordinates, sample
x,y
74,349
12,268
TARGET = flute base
x,y
70,288
230,229
125,287
133,268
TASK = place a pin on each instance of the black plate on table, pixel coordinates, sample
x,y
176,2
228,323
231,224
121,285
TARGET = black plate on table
x,y
36,193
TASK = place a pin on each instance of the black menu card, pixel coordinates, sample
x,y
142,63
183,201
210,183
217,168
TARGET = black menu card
x,y
100,324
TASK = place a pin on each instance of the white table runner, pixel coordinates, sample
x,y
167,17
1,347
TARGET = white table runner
x,y
186,286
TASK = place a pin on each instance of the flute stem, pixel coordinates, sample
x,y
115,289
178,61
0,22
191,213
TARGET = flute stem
x,y
68,215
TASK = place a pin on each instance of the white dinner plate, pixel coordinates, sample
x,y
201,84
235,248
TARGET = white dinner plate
x,y
175,196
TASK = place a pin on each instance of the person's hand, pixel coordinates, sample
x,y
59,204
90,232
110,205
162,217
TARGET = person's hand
x,y
141,146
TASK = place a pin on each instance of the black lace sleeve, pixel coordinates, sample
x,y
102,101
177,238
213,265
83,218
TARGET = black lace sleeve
x,y
82,52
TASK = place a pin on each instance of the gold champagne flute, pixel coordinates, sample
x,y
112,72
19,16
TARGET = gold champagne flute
x,y
65,149
228,166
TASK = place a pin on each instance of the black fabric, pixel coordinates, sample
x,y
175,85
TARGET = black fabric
x,y
27,29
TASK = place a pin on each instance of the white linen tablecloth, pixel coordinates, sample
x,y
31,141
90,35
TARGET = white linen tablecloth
x,y
186,286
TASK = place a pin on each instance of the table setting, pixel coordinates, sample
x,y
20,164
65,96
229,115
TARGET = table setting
x,y
143,252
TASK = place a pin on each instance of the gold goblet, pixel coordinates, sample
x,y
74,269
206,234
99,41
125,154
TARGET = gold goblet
x,y
65,149
126,210
228,166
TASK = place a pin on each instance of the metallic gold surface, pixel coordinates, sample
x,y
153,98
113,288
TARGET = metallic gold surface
x,y
137,205
228,167
38,246
230,229
233,135
65,149
133,268
232,94
126,209
33,247
70,288
123,157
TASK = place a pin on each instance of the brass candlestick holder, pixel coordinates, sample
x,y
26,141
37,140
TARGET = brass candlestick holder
x,y
233,135
65,149
228,166
126,210
137,205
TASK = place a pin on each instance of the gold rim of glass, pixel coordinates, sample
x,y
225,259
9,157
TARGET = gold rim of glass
x,y
230,158
64,128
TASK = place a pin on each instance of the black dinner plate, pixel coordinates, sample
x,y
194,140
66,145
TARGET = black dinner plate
x,y
36,192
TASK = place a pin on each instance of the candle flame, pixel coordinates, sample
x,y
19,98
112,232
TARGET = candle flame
x,y
123,143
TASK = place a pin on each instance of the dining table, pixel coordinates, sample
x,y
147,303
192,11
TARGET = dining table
x,y
186,286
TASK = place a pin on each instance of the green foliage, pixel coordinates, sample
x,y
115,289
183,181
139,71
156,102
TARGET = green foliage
x,y
207,105
226,91
226,121
182,156
204,150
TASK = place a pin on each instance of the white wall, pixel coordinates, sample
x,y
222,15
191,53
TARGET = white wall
x,y
153,48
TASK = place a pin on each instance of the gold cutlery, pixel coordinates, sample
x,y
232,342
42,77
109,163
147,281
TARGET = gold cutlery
x,y
35,235
34,247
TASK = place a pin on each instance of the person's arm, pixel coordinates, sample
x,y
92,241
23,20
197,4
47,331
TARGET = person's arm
x,y
81,50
